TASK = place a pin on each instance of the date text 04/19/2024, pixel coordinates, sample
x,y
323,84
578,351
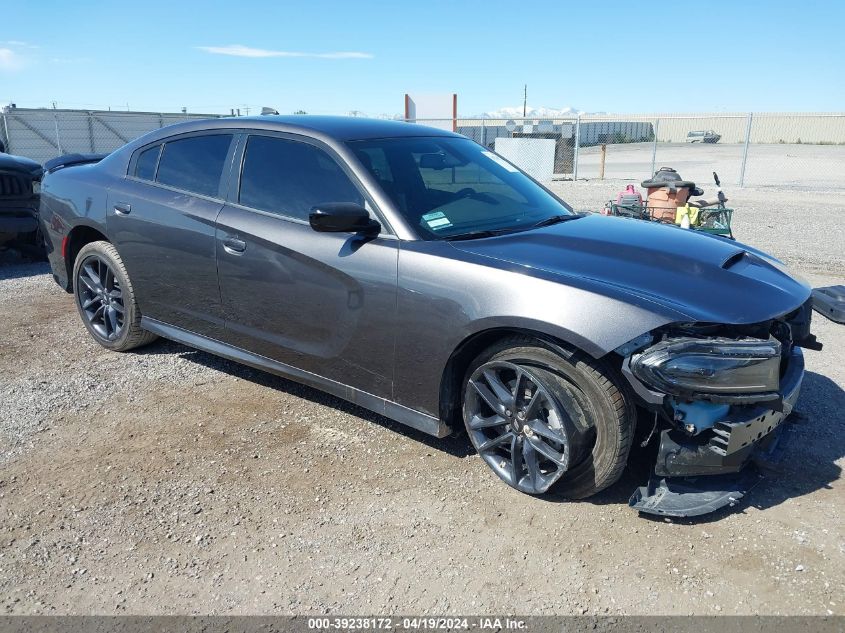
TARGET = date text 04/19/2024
x,y
416,623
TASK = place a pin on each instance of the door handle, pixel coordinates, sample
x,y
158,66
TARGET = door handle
x,y
234,246
122,208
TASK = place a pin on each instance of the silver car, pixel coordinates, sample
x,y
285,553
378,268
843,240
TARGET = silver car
x,y
703,136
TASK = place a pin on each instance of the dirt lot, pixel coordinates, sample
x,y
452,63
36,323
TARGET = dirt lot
x,y
169,481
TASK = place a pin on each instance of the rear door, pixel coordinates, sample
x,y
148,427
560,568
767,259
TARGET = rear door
x,y
161,218
322,302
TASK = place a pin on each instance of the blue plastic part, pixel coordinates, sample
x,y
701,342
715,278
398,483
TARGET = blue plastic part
x,y
702,415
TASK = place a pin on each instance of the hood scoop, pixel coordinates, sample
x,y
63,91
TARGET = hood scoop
x,y
734,259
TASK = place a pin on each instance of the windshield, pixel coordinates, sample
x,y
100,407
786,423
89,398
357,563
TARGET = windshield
x,y
447,186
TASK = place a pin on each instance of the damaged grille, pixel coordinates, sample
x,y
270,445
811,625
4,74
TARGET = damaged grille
x,y
790,329
799,322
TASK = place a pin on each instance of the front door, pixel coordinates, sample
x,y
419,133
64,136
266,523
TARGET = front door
x,y
321,302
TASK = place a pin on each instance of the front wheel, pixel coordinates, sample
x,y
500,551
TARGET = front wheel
x,y
105,299
540,418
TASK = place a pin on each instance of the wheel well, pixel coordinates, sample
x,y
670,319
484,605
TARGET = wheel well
x,y
76,239
452,381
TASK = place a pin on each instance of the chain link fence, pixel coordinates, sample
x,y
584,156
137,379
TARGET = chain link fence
x,y
45,134
796,151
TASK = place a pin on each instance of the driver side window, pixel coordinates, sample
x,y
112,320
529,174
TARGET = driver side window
x,y
290,178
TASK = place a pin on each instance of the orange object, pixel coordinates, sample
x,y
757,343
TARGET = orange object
x,y
666,192
663,203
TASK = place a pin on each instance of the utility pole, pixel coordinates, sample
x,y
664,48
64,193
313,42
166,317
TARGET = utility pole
x,y
525,101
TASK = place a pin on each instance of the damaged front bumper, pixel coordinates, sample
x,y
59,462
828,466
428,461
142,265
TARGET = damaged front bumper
x,y
695,475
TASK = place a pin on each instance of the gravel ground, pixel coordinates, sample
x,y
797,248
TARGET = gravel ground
x,y
170,481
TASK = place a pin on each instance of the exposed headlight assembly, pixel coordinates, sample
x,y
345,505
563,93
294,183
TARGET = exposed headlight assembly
x,y
710,366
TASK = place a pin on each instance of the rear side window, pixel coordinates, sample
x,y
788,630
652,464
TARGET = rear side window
x,y
289,178
194,164
145,166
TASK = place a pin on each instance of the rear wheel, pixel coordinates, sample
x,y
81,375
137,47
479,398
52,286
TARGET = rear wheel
x,y
540,418
105,299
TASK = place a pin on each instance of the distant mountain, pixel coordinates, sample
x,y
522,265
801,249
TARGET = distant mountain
x,y
383,115
515,112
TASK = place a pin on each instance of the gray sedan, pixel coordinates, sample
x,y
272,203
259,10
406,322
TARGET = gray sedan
x,y
419,275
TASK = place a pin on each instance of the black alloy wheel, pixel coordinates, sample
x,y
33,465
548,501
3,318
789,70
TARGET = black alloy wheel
x,y
100,297
519,426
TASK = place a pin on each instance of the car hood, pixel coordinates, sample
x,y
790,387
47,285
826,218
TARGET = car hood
x,y
21,165
704,278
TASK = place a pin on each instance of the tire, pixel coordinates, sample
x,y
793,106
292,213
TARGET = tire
x,y
597,423
101,289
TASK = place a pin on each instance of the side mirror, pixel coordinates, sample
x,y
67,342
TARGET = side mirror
x,y
342,217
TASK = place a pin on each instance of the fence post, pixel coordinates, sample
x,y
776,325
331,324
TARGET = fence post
x,y
602,159
91,132
745,149
482,134
58,136
577,146
6,134
654,148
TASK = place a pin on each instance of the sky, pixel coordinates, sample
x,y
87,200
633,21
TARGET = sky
x,y
334,57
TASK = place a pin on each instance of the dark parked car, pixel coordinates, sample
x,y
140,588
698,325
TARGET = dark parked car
x,y
20,179
419,275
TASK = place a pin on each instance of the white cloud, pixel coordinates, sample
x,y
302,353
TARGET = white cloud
x,y
69,60
239,50
10,60
18,44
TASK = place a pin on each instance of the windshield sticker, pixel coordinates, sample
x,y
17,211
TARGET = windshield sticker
x,y
501,162
436,220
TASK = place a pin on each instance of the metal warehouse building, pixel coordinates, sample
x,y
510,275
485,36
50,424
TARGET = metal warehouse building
x,y
563,132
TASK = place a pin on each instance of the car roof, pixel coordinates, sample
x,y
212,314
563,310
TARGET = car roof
x,y
341,128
